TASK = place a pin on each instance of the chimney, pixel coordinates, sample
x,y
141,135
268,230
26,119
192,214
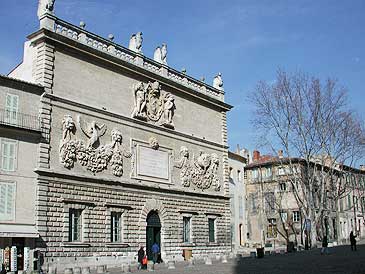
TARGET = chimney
x,y
256,155
362,167
280,153
238,149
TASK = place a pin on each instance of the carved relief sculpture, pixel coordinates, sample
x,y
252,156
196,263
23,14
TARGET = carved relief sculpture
x,y
201,172
150,105
153,143
218,82
160,54
92,155
135,42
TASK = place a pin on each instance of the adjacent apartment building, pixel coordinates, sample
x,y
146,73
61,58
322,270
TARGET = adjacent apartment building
x,y
118,161
274,217
237,191
20,134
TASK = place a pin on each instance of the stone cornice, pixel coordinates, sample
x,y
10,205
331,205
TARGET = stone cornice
x,y
144,125
48,174
55,38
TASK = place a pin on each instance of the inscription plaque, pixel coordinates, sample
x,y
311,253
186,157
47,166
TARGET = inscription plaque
x,y
153,163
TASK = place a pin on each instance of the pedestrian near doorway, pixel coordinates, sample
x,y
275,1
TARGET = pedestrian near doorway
x,y
353,241
155,251
141,257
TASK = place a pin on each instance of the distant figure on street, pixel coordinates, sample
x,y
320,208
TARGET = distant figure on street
x,y
353,241
155,251
324,249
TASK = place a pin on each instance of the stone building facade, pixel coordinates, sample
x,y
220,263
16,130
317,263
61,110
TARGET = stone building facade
x,y
20,134
121,162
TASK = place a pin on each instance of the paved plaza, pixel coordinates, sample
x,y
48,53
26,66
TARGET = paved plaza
x,y
340,260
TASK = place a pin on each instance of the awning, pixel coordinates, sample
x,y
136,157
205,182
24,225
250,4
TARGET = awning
x,y
18,230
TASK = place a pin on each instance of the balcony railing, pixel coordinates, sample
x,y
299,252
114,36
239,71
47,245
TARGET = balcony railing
x,y
120,52
20,120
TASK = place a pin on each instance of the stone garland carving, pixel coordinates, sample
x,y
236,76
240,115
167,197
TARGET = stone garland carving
x,y
153,106
92,155
201,172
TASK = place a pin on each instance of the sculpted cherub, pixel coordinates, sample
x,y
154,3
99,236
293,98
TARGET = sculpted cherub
x,y
93,131
139,100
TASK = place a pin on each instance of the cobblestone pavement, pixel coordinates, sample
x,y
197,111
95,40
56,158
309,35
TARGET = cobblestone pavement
x,y
339,260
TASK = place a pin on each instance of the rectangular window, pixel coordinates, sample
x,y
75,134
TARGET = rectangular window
x,y
281,171
255,174
284,216
240,206
187,229
348,201
282,186
7,201
116,224
254,199
8,154
75,225
239,176
268,172
11,109
296,216
271,228
211,224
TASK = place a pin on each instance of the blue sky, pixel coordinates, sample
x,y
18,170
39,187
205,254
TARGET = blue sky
x,y
245,40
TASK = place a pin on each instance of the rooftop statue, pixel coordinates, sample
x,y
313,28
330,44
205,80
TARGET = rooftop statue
x,y
160,54
135,43
218,82
45,6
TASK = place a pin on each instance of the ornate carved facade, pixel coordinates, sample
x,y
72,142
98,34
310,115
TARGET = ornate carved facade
x,y
91,154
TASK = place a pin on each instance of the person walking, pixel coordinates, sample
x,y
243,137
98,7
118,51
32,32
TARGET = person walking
x,y
324,249
140,257
155,251
353,241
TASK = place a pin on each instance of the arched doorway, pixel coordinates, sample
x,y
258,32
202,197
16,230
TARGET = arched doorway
x,y
153,232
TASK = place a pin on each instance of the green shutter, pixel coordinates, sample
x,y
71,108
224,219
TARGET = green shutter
x,y
7,201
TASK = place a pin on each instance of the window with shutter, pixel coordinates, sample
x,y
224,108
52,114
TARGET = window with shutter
x,y
11,108
8,155
7,201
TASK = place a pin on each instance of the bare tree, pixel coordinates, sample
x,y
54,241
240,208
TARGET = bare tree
x,y
309,120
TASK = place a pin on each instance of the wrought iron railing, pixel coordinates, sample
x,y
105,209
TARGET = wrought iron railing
x,y
21,120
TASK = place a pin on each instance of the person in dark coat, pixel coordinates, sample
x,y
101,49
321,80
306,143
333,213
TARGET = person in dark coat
x,y
353,241
324,245
141,255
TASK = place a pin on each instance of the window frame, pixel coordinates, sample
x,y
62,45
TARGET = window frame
x,y
79,225
13,158
187,234
11,110
296,216
212,230
116,233
8,217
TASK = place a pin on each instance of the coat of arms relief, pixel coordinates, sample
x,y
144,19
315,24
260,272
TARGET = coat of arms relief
x,y
91,154
151,105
